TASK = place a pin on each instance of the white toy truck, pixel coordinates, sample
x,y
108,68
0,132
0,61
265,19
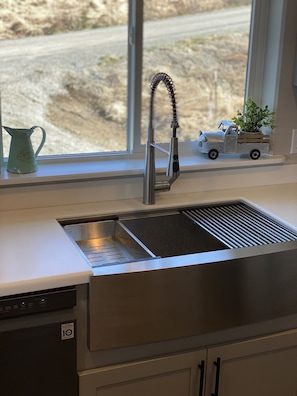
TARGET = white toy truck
x,y
229,140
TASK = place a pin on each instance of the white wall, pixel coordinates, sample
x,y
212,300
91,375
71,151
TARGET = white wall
x,y
131,187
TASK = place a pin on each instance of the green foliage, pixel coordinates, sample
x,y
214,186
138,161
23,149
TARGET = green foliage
x,y
254,117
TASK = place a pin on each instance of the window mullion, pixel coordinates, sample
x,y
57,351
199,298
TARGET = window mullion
x,y
135,44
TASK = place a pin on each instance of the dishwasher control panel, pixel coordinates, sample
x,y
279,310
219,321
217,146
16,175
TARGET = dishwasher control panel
x,y
37,302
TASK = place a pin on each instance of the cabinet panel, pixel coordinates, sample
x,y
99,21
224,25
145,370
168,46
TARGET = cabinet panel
x,y
176,375
261,367
170,384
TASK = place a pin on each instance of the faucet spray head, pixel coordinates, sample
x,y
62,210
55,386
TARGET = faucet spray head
x,y
173,161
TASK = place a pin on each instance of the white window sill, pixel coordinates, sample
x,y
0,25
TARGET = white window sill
x,y
75,169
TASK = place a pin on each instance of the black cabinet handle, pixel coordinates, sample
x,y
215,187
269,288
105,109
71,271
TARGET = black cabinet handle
x,y
217,364
201,367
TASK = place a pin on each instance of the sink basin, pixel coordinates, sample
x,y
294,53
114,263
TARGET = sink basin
x,y
114,241
172,235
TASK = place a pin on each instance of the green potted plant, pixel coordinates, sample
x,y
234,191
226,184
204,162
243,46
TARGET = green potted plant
x,y
253,117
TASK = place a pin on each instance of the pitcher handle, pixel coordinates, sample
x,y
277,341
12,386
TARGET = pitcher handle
x,y
42,140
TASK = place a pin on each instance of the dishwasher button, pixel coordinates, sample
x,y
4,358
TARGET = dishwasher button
x,y
43,302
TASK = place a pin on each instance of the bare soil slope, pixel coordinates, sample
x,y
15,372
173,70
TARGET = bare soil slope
x,y
23,18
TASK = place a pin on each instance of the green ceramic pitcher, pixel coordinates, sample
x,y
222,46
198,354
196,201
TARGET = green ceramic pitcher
x,y
22,158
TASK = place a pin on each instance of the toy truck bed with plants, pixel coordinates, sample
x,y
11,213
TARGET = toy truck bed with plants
x,y
229,140
242,136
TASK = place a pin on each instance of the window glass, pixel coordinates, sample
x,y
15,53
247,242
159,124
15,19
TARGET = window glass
x,y
64,67
203,46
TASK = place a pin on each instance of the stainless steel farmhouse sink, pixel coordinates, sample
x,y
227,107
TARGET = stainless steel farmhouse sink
x,y
160,275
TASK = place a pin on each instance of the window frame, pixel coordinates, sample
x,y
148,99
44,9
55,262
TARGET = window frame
x,y
264,55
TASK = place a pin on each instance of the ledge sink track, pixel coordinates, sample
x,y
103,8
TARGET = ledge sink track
x,y
239,225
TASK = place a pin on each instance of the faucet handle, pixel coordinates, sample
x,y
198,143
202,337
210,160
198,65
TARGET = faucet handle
x,y
173,161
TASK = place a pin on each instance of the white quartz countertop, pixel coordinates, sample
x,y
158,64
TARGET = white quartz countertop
x,y
36,254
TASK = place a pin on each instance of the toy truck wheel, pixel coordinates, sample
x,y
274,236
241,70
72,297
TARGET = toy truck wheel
x,y
255,154
213,154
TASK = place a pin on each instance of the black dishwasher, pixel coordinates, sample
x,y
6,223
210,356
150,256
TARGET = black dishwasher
x,y
38,343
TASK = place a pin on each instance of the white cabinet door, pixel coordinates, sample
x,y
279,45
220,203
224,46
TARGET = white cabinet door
x,y
259,367
177,375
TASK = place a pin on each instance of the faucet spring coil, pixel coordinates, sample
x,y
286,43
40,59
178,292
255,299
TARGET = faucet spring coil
x,y
167,80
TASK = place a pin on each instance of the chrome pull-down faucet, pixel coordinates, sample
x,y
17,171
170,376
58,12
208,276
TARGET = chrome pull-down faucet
x,y
150,184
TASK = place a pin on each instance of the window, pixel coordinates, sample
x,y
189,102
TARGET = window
x,y
64,66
